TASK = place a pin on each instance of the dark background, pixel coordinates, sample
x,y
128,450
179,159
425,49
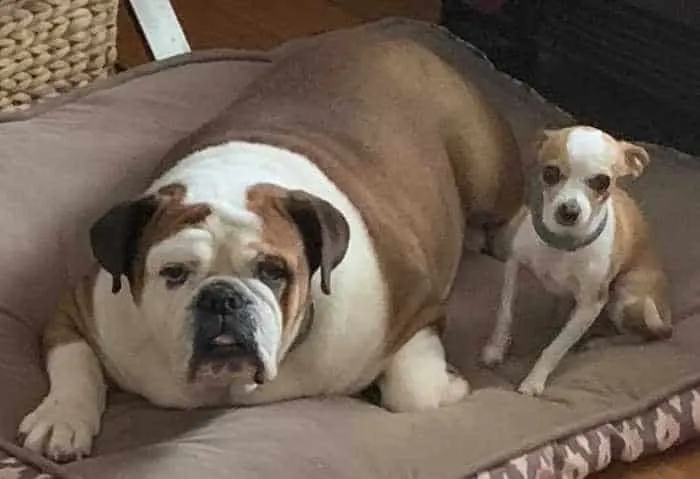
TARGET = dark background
x,y
631,67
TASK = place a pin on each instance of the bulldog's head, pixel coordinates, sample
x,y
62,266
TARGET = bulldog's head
x,y
225,293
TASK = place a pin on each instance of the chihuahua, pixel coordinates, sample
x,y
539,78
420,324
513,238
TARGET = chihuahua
x,y
581,234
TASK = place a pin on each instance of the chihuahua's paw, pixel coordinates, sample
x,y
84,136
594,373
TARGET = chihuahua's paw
x,y
60,429
532,386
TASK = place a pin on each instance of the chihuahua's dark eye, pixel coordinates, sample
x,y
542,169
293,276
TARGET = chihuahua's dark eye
x,y
272,271
175,274
551,175
599,183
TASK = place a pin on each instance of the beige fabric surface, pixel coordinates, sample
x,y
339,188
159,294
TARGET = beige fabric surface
x,y
64,163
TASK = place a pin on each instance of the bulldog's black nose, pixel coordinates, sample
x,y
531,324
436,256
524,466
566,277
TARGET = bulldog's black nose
x,y
224,330
220,298
567,214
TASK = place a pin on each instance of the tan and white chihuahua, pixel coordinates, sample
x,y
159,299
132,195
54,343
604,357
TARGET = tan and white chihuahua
x,y
582,235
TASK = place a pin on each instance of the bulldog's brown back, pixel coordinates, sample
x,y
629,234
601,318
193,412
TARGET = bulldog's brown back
x,y
413,145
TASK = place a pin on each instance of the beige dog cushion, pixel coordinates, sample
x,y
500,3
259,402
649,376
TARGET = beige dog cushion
x,y
64,163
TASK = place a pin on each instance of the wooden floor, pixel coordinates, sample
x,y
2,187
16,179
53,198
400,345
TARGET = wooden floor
x,y
681,463
261,24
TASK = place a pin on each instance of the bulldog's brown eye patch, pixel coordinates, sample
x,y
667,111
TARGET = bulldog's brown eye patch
x,y
272,270
551,175
175,274
599,183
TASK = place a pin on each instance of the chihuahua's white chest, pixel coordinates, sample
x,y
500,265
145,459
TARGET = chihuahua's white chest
x,y
565,272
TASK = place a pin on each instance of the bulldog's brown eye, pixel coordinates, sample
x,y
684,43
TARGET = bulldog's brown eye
x,y
599,183
175,274
551,175
272,271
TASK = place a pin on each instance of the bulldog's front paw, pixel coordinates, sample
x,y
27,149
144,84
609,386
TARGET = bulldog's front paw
x,y
422,393
418,378
60,429
457,389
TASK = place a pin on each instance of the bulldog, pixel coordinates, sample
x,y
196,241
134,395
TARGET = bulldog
x,y
304,244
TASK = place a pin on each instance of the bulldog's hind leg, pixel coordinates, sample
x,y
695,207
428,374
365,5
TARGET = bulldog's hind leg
x,y
487,167
62,427
417,377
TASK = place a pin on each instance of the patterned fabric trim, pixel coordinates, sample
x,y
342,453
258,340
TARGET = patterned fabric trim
x,y
20,463
669,424
12,468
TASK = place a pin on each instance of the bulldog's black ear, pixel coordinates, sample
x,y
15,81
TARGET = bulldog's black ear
x,y
325,232
114,237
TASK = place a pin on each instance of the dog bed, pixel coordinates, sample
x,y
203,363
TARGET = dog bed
x,y
64,162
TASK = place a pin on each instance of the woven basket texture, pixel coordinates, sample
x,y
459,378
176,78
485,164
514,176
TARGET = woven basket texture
x,y
48,47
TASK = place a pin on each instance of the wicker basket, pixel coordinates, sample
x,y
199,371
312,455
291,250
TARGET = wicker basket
x,y
48,47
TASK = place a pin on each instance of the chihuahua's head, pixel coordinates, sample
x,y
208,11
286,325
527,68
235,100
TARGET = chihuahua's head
x,y
577,169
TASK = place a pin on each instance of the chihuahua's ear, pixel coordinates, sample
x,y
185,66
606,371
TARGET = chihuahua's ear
x,y
634,160
541,137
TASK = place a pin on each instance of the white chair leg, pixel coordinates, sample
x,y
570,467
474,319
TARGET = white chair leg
x,y
161,27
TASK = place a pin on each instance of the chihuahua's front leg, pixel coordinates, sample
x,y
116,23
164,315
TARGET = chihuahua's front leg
x,y
588,306
497,346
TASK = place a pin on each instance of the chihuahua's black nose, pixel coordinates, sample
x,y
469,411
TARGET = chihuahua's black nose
x,y
220,298
567,213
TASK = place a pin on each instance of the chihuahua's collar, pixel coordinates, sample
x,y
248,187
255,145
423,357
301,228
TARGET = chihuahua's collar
x,y
559,241
562,241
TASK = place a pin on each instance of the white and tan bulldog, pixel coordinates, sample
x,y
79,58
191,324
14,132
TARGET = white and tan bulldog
x,y
305,245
